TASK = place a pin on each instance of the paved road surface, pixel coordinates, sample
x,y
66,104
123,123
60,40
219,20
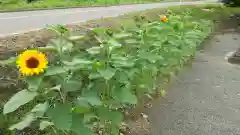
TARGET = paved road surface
x,y
18,22
205,98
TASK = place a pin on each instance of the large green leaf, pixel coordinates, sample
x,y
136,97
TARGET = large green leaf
x,y
125,95
150,56
27,120
122,35
107,73
78,125
19,99
75,38
114,117
40,109
82,106
34,82
44,124
77,61
61,116
113,42
94,50
91,97
55,70
72,85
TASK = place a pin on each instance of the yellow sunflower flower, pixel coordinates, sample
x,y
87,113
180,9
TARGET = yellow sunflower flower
x,y
31,62
164,18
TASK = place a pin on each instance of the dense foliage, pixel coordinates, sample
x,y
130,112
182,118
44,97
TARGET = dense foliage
x,y
87,87
231,2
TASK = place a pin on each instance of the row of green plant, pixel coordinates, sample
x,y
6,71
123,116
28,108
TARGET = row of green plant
x,y
12,5
82,88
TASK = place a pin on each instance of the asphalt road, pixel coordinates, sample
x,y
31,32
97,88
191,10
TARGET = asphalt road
x,y
204,99
19,22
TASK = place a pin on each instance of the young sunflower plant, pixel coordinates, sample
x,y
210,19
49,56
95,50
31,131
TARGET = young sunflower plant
x,y
83,89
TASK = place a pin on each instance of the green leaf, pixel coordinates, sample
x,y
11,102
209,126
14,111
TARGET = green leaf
x,y
151,57
34,82
61,116
94,75
72,85
18,100
55,70
122,77
91,97
89,116
115,117
78,126
94,50
126,96
82,106
122,35
75,38
45,124
40,109
113,42
107,73
24,123
120,61
77,61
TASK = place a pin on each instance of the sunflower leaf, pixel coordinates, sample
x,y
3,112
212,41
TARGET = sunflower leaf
x,y
27,120
34,82
18,100
55,70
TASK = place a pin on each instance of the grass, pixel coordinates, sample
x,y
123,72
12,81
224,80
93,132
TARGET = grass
x,y
18,5
152,14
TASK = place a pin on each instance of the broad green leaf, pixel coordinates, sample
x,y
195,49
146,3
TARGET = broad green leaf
x,y
122,35
40,109
72,85
19,99
34,82
82,106
126,96
120,61
61,116
115,117
94,50
78,126
131,41
94,75
150,56
89,116
45,124
55,70
107,73
113,42
122,77
77,61
27,120
91,97
75,38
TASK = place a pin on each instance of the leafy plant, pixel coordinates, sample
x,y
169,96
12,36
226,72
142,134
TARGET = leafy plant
x,y
86,91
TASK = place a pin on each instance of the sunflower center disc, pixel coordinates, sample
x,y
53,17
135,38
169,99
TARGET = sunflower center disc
x,y
32,63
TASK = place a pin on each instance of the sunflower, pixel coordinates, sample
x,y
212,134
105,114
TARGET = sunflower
x,y
164,18
31,62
